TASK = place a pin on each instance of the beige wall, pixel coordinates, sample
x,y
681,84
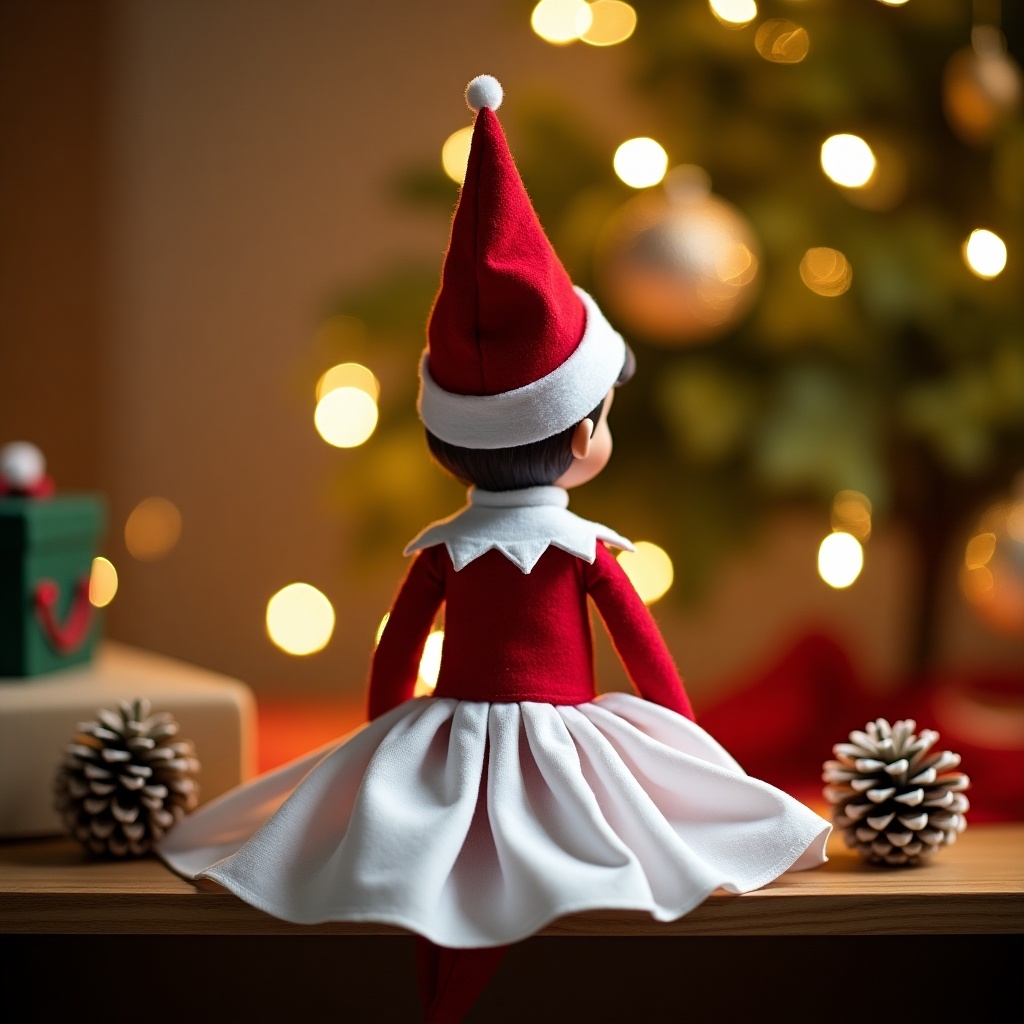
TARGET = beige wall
x,y
52,88
246,150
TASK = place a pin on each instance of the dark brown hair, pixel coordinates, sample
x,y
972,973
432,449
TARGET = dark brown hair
x,y
527,465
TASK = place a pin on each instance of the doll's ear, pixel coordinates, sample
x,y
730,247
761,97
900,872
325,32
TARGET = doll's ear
x,y
581,439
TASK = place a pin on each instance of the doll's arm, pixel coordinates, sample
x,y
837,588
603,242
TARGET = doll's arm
x,y
635,635
397,658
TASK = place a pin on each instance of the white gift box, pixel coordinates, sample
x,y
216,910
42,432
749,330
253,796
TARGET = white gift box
x,y
39,715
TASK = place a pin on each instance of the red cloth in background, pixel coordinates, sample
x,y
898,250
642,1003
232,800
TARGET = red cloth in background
x,y
782,722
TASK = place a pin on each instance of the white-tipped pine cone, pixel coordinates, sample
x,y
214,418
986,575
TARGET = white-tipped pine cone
x,y
894,800
125,781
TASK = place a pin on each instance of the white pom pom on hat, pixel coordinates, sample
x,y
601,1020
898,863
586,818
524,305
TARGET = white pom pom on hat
x,y
484,91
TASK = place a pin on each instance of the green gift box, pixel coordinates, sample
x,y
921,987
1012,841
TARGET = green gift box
x,y
47,546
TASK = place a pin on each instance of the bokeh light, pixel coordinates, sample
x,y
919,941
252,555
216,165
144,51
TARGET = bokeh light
x,y
348,375
611,22
985,253
847,160
826,271
152,529
430,660
640,162
455,154
561,21
851,513
300,619
649,569
893,3
840,559
346,417
734,13
980,549
430,664
102,582
992,572
782,41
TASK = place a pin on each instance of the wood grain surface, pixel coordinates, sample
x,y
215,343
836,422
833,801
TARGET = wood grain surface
x,y
974,887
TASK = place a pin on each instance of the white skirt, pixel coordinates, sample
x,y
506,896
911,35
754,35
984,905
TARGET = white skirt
x,y
476,824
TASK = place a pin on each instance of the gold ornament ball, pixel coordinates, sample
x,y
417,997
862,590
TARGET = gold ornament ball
x,y
678,265
981,87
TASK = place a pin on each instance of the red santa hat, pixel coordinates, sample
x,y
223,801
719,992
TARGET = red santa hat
x,y
515,353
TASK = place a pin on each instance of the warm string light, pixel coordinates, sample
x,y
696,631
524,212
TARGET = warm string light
x,y
848,160
561,21
734,13
640,162
840,554
430,659
346,409
455,154
300,619
649,569
851,513
984,253
782,41
102,582
602,23
346,417
430,664
826,271
612,22
348,375
840,559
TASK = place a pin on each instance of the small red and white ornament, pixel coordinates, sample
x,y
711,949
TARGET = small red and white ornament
x,y
23,470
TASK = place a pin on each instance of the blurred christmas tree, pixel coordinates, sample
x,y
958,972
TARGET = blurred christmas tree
x,y
810,324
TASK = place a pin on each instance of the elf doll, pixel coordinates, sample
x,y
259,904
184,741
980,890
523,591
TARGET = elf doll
x,y
513,795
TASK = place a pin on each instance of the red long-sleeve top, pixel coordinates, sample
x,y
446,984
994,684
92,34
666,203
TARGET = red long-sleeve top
x,y
515,636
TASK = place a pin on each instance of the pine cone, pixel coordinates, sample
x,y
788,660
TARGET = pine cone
x,y
122,784
895,802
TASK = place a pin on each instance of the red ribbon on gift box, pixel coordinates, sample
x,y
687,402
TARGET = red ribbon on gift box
x,y
71,635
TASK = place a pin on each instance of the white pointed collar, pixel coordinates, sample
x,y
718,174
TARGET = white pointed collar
x,y
520,524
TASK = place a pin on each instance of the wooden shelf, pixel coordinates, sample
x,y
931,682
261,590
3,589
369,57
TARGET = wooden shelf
x,y
975,887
